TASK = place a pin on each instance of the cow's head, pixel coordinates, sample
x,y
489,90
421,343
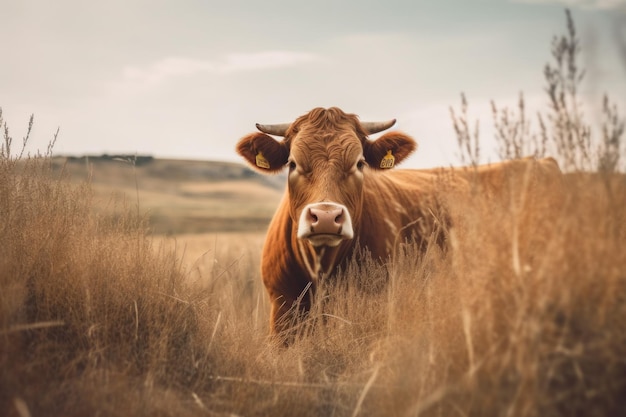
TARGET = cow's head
x,y
327,153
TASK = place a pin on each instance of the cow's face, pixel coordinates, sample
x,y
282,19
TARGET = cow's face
x,y
327,154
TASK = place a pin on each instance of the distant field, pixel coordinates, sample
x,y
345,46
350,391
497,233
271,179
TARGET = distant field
x,y
211,213
179,196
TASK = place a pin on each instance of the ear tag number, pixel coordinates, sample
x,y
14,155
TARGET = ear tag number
x,y
388,161
261,162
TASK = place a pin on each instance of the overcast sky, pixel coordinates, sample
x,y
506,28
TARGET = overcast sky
x,y
188,78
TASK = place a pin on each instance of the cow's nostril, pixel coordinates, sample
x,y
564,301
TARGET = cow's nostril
x,y
340,217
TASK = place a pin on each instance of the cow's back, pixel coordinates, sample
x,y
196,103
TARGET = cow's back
x,y
423,205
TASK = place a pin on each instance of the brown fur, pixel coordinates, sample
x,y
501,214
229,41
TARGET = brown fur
x,y
387,206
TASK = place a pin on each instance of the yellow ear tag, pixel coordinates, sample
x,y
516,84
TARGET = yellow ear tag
x,y
261,162
388,161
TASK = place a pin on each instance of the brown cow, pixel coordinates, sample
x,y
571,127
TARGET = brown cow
x,y
340,194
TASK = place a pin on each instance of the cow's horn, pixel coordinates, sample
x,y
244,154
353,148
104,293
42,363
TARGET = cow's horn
x,y
276,130
375,127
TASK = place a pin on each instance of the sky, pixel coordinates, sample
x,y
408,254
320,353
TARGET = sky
x,y
188,78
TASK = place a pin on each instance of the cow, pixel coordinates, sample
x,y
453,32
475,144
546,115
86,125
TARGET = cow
x,y
342,196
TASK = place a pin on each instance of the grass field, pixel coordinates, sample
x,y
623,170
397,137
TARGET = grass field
x,y
99,318
203,210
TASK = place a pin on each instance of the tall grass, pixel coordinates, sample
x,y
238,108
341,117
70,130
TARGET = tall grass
x,y
83,301
520,316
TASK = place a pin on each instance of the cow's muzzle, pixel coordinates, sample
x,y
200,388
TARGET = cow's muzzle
x,y
325,224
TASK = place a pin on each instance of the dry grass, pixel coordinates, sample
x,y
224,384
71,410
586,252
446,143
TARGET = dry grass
x,y
521,316
97,320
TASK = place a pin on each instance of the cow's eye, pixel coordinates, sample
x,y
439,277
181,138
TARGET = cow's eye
x,y
360,165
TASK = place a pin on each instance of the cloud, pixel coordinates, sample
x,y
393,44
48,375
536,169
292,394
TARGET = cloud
x,y
173,67
265,60
166,68
583,4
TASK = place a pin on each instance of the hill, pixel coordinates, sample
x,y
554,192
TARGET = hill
x,y
178,196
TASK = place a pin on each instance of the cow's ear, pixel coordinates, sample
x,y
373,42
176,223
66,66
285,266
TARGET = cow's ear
x,y
388,150
263,152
